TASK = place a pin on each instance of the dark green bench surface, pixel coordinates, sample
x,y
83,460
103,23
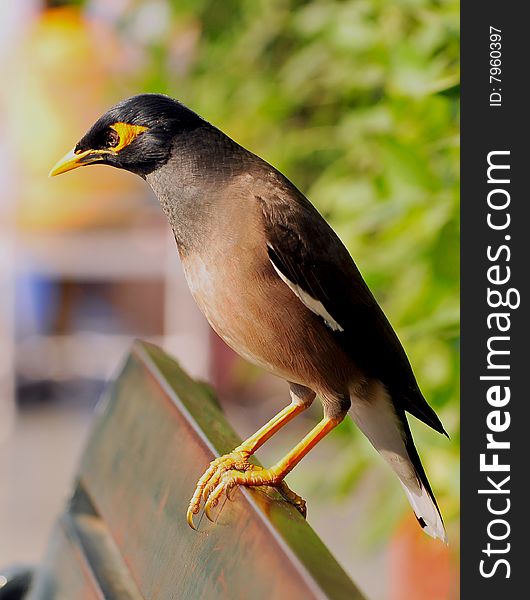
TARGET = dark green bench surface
x,y
124,533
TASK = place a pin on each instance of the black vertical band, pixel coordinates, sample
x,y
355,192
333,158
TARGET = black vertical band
x,y
495,402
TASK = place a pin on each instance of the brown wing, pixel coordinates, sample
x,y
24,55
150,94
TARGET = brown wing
x,y
307,252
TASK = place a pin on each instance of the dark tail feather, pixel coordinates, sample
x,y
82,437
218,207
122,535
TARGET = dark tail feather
x,y
387,429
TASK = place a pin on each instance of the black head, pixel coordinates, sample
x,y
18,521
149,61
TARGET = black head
x,y
136,134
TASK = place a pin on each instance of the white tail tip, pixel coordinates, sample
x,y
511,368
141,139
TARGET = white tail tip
x,y
426,513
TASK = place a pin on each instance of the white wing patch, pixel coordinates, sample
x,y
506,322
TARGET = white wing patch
x,y
313,304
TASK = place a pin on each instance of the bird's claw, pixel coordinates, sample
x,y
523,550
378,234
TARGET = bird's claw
x,y
192,511
226,473
225,485
209,482
297,501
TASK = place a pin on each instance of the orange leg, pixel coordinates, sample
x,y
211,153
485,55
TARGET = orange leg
x,y
251,444
238,458
273,476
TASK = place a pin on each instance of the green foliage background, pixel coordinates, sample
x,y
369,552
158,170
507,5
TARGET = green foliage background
x,y
356,101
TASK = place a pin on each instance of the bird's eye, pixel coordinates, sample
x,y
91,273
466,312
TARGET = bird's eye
x,y
112,138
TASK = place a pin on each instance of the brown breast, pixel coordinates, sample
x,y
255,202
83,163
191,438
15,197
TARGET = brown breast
x,y
254,311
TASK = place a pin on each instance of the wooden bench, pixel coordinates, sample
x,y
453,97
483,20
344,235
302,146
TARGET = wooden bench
x,y
124,533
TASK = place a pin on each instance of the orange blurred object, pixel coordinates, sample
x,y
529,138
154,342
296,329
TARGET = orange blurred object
x,y
420,567
59,82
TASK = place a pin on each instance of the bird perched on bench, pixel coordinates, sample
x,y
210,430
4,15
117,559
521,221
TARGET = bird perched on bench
x,y
279,287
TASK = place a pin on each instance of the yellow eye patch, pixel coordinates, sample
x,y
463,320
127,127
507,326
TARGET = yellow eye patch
x,y
127,133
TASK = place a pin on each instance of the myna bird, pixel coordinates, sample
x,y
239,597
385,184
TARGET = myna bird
x,y
279,287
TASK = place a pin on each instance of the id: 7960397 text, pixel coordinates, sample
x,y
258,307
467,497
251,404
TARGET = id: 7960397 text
x,y
495,57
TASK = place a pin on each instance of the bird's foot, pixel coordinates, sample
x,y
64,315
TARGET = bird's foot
x,y
229,471
237,460
252,477
293,498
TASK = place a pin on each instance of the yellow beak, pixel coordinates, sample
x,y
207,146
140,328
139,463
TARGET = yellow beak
x,y
71,160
